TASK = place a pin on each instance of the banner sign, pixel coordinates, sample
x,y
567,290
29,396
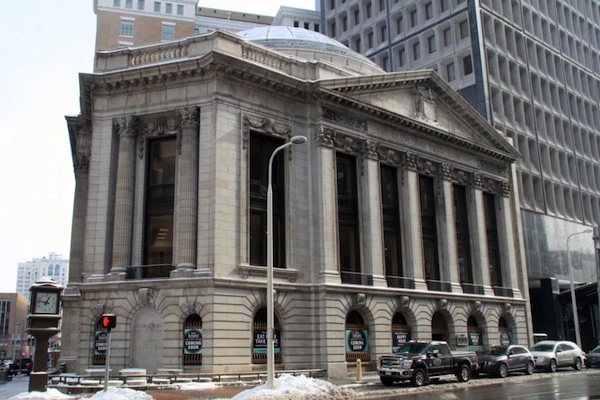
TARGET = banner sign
x,y
100,343
505,338
192,341
357,340
475,341
260,341
399,338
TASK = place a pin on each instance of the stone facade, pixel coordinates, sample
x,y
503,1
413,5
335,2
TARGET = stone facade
x,y
217,94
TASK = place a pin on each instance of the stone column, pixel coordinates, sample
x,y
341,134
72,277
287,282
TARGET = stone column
x,y
80,135
186,187
123,220
371,215
506,240
411,213
327,217
478,235
447,231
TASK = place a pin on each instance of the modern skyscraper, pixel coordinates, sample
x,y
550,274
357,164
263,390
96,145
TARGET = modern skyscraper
x,y
532,69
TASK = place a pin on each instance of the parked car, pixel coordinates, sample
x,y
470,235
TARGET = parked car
x,y
23,366
502,360
592,358
6,362
553,354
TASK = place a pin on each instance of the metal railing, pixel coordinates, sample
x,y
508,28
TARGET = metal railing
x,y
356,278
439,286
400,282
472,288
148,271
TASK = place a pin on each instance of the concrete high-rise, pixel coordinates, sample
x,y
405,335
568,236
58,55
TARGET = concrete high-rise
x,y
532,69
54,266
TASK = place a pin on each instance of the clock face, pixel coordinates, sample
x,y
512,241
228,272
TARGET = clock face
x,y
46,303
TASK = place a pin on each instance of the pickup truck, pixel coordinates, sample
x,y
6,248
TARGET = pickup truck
x,y
419,361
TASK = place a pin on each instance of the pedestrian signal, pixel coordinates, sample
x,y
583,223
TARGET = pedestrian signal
x,y
109,321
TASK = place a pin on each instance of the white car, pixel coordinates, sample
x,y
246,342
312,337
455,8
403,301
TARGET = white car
x,y
553,354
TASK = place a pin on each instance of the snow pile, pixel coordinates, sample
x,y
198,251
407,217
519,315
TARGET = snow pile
x,y
51,394
196,385
300,387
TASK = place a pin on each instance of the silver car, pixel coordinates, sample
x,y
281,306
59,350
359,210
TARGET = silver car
x,y
553,354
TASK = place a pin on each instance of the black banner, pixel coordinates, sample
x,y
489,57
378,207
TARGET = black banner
x,y
100,343
192,341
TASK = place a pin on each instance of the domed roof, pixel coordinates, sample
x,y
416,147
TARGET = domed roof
x,y
299,40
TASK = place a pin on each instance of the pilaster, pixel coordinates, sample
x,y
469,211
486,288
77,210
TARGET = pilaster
x,y
447,230
478,235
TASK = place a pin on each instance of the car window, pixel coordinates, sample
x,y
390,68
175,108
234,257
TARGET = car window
x,y
495,351
595,350
445,350
567,347
543,347
516,350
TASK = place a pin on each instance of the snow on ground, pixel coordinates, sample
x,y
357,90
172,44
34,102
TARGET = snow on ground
x,y
300,387
111,394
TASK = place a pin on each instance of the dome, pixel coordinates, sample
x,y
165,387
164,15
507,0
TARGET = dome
x,y
305,43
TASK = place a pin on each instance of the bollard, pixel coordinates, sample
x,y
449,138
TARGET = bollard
x,y
358,370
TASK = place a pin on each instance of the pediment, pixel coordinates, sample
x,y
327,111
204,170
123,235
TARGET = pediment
x,y
425,99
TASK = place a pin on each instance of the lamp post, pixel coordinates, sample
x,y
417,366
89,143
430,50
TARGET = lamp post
x,y
17,329
573,297
270,316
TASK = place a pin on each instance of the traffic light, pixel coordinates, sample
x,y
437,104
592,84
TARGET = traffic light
x,y
109,321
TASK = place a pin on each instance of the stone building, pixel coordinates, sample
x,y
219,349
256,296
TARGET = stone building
x,y
396,220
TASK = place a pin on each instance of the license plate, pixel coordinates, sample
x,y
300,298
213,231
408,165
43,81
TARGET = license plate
x,y
388,372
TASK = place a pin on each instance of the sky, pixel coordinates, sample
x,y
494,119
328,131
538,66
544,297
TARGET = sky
x,y
45,45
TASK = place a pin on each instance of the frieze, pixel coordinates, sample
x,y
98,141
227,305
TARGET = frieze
x,y
427,167
445,171
390,156
265,125
348,144
344,118
370,149
494,167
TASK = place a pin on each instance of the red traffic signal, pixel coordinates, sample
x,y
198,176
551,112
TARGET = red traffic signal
x,y
109,321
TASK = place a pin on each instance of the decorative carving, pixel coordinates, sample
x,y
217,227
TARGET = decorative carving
x,y
156,127
344,118
325,136
427,167
506,188
126,126
425,104
360,299
477,181
477,305
403,301
370,149
411,161
160,55
145,296
461,177
349,144
188,117
442,304
445,172
507,307
266,125
390,156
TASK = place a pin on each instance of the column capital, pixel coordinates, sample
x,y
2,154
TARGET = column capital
x,y
477,181
445,171
325,136
126,125
411,161
188,117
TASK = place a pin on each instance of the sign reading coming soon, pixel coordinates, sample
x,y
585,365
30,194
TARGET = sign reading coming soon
x,y
192,341
357,340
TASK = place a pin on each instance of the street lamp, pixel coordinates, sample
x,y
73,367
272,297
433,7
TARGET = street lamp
x,y
270,317
573,297
18,324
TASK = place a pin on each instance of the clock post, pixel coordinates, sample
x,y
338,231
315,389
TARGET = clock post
x,y
43,323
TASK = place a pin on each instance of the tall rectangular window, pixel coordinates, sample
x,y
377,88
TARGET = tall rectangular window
x,y
450,72
157,6
168,32
491,229
431,43
179,9
128,3
461,217
141,4
126,28
428,227
368,10
391,226
347,196
261,148
160,205
467,65
429,10
416,48
447,34
413,18
169,8
463,28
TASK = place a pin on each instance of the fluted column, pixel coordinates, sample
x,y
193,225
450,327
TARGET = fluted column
x,y
373,228
186,206
411,213
123,221
506,240
447,236
478,235
326,184
80,135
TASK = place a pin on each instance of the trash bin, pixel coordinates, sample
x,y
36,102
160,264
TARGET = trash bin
x,y
3,374
62,368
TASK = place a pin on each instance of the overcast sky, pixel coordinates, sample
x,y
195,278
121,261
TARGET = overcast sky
x,y
46,44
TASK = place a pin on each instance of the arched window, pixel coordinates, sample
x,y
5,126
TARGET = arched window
x,y
505,332
192,340
259,329
475,335
100,344
439,327
357,338
400,331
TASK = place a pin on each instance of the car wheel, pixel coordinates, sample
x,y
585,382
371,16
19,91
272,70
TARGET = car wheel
x,y
503,371
530,368
578,364
552,367
464,373
419,377
386,381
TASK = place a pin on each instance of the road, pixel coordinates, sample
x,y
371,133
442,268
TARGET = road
x,y
563,385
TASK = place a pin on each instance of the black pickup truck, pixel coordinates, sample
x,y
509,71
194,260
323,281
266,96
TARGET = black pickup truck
x,y
419,361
